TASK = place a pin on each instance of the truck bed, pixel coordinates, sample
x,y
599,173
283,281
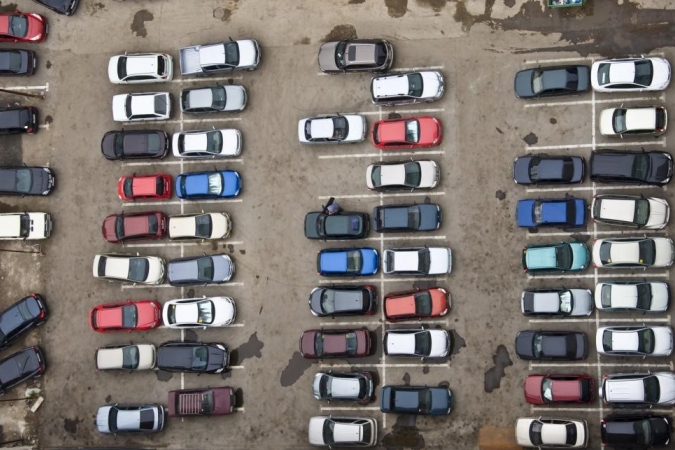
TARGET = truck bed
x,y
189,404
189,61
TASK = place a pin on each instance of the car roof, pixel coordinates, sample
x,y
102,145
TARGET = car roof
x,y
406,260
200,98
195,141
554,433
546,302
641,118
143,104
361,53
541,257
392,131
343,432
623,252
144,185
401,343
136,225
625,389
10,224
617,209
116,266
109,358
196,183
622,72
334,261
391,85
322,128
188,312
627,341
392,174
109,317
624,295
141,64
182,226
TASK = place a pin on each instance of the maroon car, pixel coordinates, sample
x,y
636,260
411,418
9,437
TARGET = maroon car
x,y
147,225
558,388
316,344
202,402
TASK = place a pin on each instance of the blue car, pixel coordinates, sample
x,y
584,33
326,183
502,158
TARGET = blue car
x,y
208,185
430,401
560,257
347,261
561,212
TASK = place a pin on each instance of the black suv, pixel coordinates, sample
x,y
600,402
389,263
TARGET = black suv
x,y
23,365
636,431
196,357
641,167
22,119
17,62
26,181
424,217
20,318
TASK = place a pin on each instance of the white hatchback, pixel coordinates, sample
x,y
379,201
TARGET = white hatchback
x,y
200,226
203,312
546,432
417,261
635,341
141,106
336,129
630,74
634,121
418,343
631,211
633,296
214,143
138,68
400,175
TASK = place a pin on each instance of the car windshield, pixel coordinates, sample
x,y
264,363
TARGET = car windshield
x,y
571,430
643,431
603,74
647,252
24,225
147,421
219,97
127,187
641,211
215,183
415,85
644,72
340,128
563,256
127,106
232,53
606,294
205,269
606,252
414,217
537,211
129,316
138,269
24,180
413,174
200,358
424,260
122,67
203,226
160,104
160,65
547,389
566,302
112,419
412,131
119,227
352,343
18,26
646,341
206,311
214,142
652,389
644,296
354,261
340,54
535,432
328,427
537,345
619,120
328,301
207,402
425,401
422,343
130,357
423,304
537,81
367,432
641,166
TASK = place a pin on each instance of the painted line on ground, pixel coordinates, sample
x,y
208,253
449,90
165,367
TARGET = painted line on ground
x,y
344,366
44,126
401,111
350,408
236,367
385,154
189,161
146,286
604,233
406,194
377,280
572,364
618,101
241,409
601,275
593,320
179,244
181,121
178,202
557,60
590,188
595,409
536,148
28,88
204,79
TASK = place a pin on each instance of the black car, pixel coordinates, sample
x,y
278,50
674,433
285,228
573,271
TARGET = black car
x,y
636,431
641,167
135,144
423,217
65,7
551,345
23,365
17,62
544,169
26,181
552,81
345,225
22,119
196,357
20,318
430,401
342,300
360,55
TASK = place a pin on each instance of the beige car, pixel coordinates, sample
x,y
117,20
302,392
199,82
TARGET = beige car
x,y
132,268
126,357
200,226
634,121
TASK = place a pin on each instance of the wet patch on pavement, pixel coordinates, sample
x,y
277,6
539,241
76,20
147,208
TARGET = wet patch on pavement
x,y
12,150
500,195
108,398
404,434
553,121
138,25
396,8
531,139
163,375
458,343
493,376
70,425
7,7
250,349
341,33
436,5
191,336
224,14
393,115
581,237
239,395
356,2
296,367
406,379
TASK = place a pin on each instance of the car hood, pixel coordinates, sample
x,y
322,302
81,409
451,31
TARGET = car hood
x,y
659,213
232,183
370,261
661,77
523,84
108,229
223,400
236,98
429,217
432,84
525,214
667,387
583,302
664,252
248,54
440,343
661,167
607,121
118,110
430,174
217,359
580,256
440,260
147,315
521,170
524,344
357,127
40,181
155,271
663,340
441,401
660,296
225,310
307,344
311,230
223,268
532,389
327,56
108,146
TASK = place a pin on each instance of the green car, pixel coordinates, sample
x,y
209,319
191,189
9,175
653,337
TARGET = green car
x,y
561,257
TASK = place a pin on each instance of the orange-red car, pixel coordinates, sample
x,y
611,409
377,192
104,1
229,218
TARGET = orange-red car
x,y
126,316
22,27
404,133
417,304
157,186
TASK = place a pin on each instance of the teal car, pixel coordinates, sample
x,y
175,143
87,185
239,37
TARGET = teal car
x,y
560,257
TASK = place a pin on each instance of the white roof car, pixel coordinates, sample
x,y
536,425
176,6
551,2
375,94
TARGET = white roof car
x,y
207,143
557,302
136,269
630,74
140,68
635,341
130,418
656,388
203,312
633,252
200,226
126,357
631,210
342,431
403,175
545,432
645,296
141,106
419,343
418,260
213,99
21,225
339,129
634,121
414,87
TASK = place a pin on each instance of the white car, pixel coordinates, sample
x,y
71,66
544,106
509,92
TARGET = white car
x,y
204,312
414,87
136,269
631,210
141,106
633,252
338,129
200,226
635,341
328,431
656,388
221,143
27,226
140,68
634,121
633,296
561,302
126,357
630,74
403,175
418,343
543,432
417,261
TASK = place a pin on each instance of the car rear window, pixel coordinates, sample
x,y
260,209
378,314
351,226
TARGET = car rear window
x,y
340,54
138,269
161,66
660,118
535,432
606,252
603,74
127,187
130,357
203,226
101,266
129,316
112,419
652,389
376,175
415,85
147,419
380,56
619,120
119,227
413,174
571,431
644,72
328,427
159,183
122,67
153,224
422,343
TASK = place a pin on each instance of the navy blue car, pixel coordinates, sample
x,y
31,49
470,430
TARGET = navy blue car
x,y
564,212
208,185
430,401
544,169
21,366
20,318
347,262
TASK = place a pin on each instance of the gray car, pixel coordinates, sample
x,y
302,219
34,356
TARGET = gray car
x,y
115,418
347,386
402,218
361,55
557,302
196,270
213,99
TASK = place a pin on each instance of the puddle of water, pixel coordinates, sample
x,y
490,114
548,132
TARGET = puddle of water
x,y
248,350
70,425
138,25
296,367
406,379
239,395
396,8
163,375
341,33
531,139
458,343
500,195
493,376
404,434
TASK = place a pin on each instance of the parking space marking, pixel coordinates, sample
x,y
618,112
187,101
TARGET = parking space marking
x,y
236,367
400,111
402,69
179,244
620,232
181,162
601,275
383,320
591,188
203,79
376,280
346,324
557,60
241,409
180,202
381,154
181,121
44,126
661,98
28,88
407,194
537,148
572,364
394,238
594,320
581,409
148,286
384,365
350,408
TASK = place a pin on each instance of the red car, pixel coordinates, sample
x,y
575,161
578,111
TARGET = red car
x,y
413,132
317,344
417,304
157,186
22,27
126,316
147,225
202,402
557,388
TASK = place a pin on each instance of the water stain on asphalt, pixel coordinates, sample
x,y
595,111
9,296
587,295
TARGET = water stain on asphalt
x,y
138,25
458,343
500,195
531,139
191,336
404,434
424,284
163,375
425,370
49,119
48,65
12,150
356,2
493,376
499,130
9,7
224,14
444,384
406,379
509,3
341,33
251,349
396,8
230,248
581,237
70,425
393,116
108,398
242,252
533,230
239,395
436,5
553,121
296,367
191,293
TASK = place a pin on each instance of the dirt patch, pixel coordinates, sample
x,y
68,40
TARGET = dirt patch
x,y
138,25
304,41
493,377
396,8
552,121
9,7
341,33
225,14
70,425
356,2
163,375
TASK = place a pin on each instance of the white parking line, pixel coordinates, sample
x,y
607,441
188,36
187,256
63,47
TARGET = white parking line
x,y
572,364
350,408
242,409
405,194
593,320
601,275
394,238
605,233
590,188
616,101
236,367
204,79
557,60
182,121
347,324
178,244
147,286
178,202
28,88
380,321
401,69
536,148
581,409
380,154
402,111
377,280
400,366
44,126
189,161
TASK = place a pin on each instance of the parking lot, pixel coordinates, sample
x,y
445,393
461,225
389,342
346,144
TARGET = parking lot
x,y
478,50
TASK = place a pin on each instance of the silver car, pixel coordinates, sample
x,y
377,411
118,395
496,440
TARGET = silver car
x,y
117,418
625,389
348,386
556,302
327,431
213,99
407,88
196,270
633,296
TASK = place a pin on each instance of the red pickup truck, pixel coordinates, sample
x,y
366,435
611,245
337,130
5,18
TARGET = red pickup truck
x,y
201,402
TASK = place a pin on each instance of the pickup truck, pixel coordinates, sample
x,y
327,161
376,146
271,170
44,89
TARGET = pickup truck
x,y
202,402
221,57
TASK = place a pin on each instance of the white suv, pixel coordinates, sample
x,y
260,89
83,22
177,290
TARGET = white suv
x,y
549,432
141,106
328,431
21,225
633,296
656,388
631,211
635,341
417,261
140,68
630,253
207,143
414,87
634,121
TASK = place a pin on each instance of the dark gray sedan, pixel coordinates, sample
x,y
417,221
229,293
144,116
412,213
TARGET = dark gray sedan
x,y
17,63
196,357
638,167
120,145
400,218
196,270
424,400
342,301
544,169
346,225
551,345
552,81
361,55
21,366
26,181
